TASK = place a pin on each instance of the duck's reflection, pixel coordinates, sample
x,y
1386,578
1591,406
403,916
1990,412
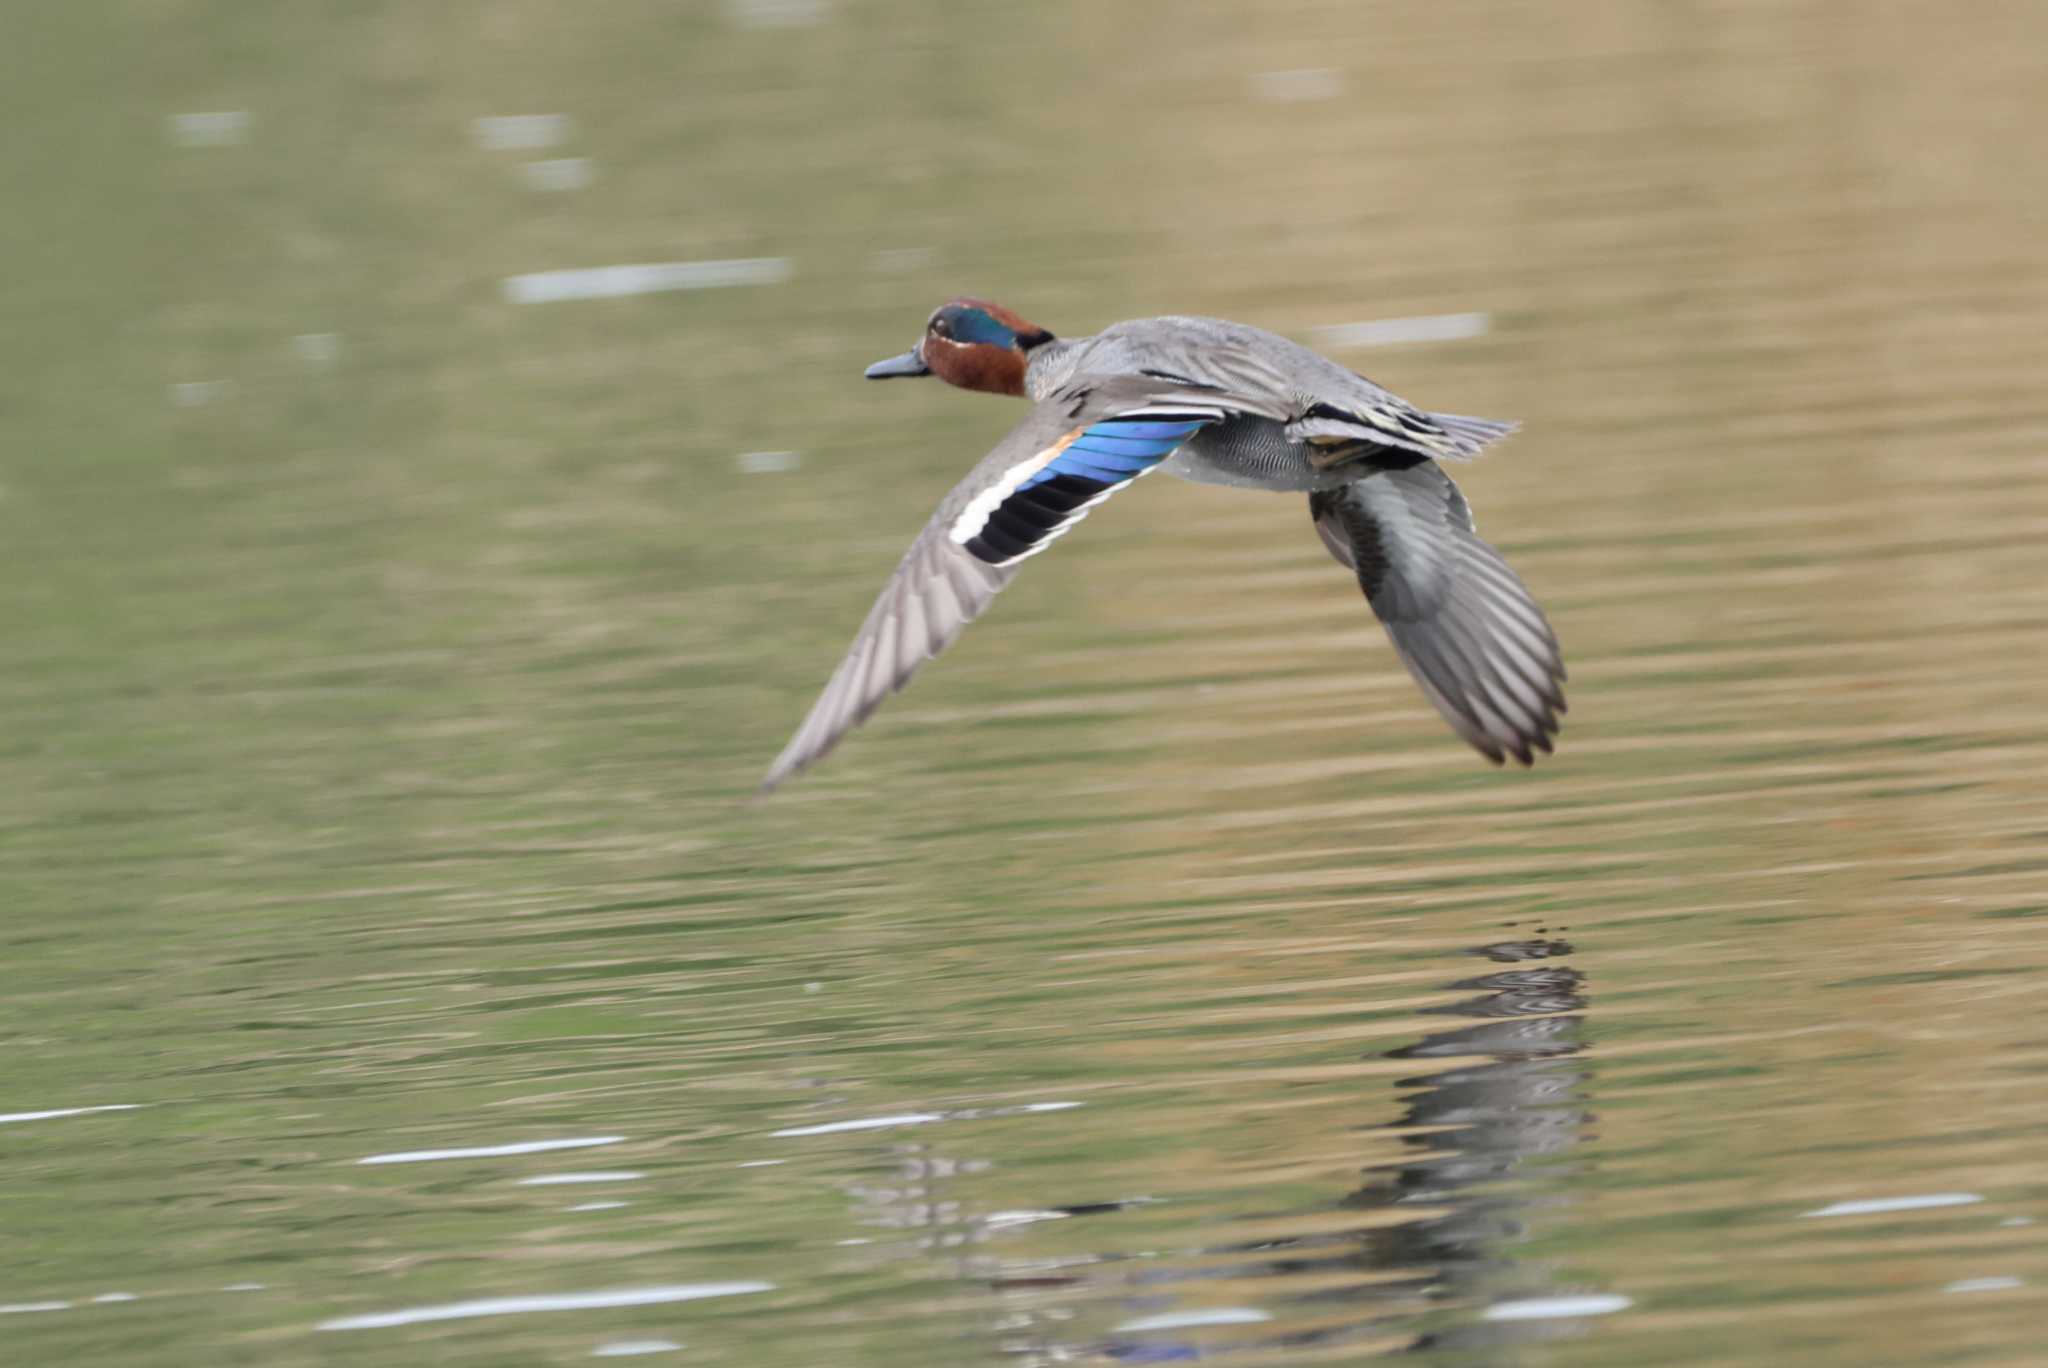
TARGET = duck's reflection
x,y
1476,1125
1483,1137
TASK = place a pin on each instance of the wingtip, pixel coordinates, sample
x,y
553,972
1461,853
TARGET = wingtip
x,y
772,782
1522,750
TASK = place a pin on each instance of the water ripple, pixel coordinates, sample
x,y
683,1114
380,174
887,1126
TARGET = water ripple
x,y
557,1301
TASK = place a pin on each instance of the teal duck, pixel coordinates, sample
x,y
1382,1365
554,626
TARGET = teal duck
x,y
1219,403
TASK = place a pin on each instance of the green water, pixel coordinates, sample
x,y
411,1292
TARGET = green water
x,y
389,664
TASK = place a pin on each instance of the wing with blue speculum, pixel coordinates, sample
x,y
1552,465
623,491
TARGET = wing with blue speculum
x,y
1075,449
1037,500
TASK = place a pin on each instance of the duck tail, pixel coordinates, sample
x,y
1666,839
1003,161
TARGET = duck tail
x,y
1471,435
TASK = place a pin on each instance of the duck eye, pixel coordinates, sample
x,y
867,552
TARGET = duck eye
x,y
941,328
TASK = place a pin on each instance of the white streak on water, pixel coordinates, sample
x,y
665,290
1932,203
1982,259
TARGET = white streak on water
x,y
613,282
1390,332
606,1176
1557,1308
6,1117
23,1308
555,1301
866,1123
776,13
922,1118
997,1220
599,1206
517,132
115,1297
491,1151
1186,1320
628,1348
1876,1205
767,462
1995,1284
213,128
198,393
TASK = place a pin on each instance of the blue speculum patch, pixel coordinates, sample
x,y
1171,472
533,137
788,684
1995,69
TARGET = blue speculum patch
x,y
1114,450
1104,456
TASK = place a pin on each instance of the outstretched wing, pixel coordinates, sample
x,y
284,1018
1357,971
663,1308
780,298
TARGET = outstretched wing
x,y
1074,449
1463,622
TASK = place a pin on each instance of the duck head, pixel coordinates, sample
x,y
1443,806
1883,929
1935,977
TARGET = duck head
x,y
972,343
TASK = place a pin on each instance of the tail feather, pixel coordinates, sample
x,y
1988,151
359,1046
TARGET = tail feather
x,y
1472,434
1343,434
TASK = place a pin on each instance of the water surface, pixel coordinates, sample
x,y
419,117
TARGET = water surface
x,y
394,973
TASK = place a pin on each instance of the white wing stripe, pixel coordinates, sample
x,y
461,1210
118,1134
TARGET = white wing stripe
x,y
1055,533
975,516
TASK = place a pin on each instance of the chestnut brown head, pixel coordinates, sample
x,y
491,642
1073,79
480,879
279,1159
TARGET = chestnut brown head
x,y
972,343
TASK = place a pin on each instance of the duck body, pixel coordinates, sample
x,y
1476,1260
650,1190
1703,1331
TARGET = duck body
x,y
1222,403
1322,405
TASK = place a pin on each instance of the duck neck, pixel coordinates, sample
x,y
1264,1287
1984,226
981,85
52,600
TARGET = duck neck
x,y
1046,368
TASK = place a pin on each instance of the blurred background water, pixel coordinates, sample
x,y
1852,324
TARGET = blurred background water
x,y
394,975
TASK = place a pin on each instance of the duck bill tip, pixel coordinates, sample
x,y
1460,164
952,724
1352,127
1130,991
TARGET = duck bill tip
x,y
899,367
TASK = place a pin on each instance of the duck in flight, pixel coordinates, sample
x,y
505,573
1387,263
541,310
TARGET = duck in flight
x,y
1218,403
